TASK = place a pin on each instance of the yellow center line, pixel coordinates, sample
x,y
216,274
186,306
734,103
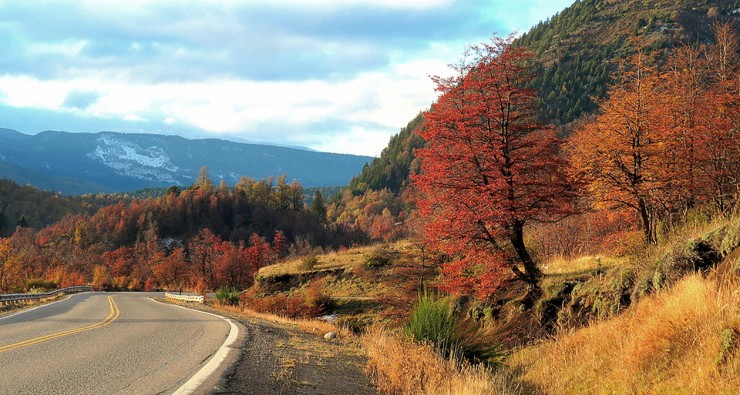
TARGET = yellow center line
x,y
114,313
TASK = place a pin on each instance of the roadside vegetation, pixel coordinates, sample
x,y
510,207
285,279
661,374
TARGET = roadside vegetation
x,y
654,318
484,251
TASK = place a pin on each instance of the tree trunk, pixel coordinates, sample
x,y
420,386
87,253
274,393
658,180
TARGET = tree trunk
x,y
647,223
532,273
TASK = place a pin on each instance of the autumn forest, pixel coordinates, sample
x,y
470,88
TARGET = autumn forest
x,y
492,181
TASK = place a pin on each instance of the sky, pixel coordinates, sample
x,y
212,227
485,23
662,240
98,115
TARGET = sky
x,y
330,75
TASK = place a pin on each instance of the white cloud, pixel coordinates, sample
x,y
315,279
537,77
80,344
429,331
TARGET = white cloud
x,y
65,47
357,140
134,118
339,82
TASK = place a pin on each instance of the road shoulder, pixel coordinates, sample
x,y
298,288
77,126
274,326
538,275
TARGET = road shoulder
x,y
279,358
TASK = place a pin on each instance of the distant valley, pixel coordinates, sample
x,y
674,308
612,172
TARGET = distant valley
x,y
77,163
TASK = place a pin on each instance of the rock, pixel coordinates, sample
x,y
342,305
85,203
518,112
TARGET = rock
x,y
330,335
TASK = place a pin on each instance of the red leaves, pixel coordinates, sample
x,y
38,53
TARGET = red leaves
x,y
489,168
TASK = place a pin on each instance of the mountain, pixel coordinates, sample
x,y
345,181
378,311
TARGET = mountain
x,y
580,48
578,51
76,163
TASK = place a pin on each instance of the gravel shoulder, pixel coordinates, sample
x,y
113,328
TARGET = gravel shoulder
x,y
280,359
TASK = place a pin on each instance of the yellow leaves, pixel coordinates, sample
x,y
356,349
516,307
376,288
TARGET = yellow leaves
x,y
4,249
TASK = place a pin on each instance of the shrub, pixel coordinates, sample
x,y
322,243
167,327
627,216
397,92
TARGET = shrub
x,y
282,305
308,263
227,296
316,297
40,285
433,321
379,257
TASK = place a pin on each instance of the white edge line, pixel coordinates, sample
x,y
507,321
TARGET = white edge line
x,y
202,375
69,296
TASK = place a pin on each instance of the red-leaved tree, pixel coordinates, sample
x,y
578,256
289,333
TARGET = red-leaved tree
x,y
489,168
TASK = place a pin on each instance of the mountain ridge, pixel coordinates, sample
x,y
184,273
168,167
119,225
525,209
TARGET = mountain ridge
x,y
116,162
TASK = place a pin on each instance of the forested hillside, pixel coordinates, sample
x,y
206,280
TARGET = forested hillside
x,y
578,52
392,169
579,48
203,237
29,207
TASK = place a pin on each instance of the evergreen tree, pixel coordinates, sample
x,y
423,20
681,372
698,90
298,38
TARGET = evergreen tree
x,y
3,222
318,205
22,222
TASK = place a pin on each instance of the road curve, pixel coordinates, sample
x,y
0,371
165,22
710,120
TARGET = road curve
x,y
106,343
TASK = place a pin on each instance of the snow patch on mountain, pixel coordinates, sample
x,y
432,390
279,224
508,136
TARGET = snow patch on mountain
x,y
130,159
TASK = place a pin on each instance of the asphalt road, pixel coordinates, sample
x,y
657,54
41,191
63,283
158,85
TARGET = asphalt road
x,y
106,343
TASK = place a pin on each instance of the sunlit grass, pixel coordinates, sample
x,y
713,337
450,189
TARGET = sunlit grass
x,y
582,265
398,365
315,326
332,260
671,342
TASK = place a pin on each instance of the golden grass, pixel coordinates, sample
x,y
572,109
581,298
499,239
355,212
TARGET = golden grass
x,y
317,327
398,365
333,260
678,341
346,259
565,266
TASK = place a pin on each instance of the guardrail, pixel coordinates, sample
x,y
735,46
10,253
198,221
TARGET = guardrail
x,y
186,298
15,298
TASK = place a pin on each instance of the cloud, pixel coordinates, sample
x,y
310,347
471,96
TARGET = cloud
x,y
339,75
174,41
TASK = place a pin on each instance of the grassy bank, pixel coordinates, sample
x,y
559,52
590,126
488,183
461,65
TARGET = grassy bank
x,y
682,340
653,319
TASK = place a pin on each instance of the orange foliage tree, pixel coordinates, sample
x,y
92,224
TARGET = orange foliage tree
x,y
666,140
722,158
489,168
5,256
619,153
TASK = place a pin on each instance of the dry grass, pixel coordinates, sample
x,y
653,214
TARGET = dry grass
x,y
684,340
559,266
317,327
564,266
333,260
346,259
398,365
11,308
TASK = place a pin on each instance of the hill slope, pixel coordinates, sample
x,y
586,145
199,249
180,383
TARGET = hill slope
x,y
29,206
76,163
579,47
578,50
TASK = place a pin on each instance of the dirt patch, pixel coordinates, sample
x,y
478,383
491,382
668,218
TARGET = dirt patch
x,y
280,359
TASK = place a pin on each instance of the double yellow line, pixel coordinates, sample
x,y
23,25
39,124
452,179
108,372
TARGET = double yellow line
x,y
114,313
